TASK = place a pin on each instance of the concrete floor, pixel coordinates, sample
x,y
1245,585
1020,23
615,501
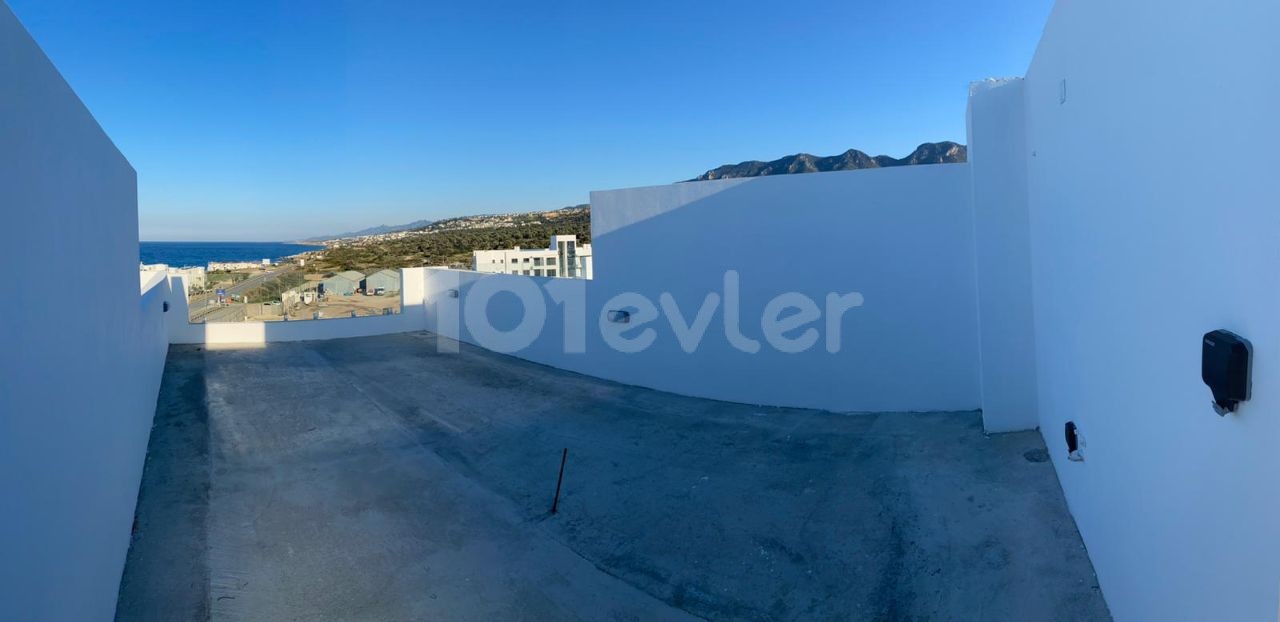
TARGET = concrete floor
x,y
375,479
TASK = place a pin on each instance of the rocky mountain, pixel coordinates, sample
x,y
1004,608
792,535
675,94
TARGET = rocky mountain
x,y
929,153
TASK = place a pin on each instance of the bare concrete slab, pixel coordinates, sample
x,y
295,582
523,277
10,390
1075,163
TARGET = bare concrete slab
x,y
376,479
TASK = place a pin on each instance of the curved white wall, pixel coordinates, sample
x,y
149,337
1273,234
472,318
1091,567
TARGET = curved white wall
x,y
902,237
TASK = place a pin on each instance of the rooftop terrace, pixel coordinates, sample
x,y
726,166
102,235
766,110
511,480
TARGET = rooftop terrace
x,y
1064,278
377,479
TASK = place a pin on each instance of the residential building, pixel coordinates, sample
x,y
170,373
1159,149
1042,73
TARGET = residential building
x,y
564,258
238,265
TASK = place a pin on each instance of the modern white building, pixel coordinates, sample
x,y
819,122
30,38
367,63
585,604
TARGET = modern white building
x,y
564,258
194,275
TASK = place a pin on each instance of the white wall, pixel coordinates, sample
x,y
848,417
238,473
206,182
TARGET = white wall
x,y
79,373
998,172
1154,219
903,238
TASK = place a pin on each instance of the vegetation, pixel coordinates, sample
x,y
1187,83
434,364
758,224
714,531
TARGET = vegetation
x,y
440,245
220,278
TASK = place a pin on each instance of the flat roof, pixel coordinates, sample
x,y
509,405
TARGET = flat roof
x,y
379,479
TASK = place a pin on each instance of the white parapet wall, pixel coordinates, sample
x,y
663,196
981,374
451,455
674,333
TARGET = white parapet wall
x,y
885,256
901,240
79,369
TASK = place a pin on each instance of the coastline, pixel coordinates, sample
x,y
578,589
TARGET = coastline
x,y
201,253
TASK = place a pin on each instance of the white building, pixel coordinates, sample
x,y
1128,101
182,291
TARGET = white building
x,y
563,258
195,275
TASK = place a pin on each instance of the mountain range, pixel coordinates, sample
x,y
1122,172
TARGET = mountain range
x,y
945,152
417,224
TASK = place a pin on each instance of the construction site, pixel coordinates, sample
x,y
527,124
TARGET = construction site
x,y
275,293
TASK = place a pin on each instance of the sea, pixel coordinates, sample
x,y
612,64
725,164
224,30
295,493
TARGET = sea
x,y
179,254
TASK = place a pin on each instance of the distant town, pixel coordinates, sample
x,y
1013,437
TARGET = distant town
x,y
360,275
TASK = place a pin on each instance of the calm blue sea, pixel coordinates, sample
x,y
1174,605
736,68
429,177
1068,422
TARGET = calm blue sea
x,y
201,253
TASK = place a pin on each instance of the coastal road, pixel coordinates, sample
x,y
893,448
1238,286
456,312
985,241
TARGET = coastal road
x,y
253,282
202,313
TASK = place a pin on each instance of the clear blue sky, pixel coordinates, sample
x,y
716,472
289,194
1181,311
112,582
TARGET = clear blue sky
x,y
269,120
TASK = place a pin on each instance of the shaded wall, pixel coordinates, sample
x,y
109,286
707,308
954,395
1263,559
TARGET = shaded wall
x,y
1153,220
80,372
998,173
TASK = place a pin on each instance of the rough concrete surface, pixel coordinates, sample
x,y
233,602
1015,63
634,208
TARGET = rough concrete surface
x,y
377,479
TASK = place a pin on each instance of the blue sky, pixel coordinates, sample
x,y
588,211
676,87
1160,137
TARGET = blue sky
x,y
268,120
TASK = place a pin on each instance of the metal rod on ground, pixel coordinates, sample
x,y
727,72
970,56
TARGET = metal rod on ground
x,y
556,502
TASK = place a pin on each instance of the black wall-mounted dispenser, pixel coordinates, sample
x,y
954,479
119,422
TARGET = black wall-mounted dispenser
x,y
1073,442
1225,365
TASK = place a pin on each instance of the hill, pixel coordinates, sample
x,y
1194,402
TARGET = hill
x,y
450,242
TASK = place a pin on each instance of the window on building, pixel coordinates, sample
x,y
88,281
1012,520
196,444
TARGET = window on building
x,y
551,272
537,261
526,273
551,261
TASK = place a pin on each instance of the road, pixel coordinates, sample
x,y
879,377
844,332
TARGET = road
x,y
253,282
201,311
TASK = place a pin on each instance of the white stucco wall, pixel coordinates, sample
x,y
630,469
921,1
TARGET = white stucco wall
x,y
998,172
1153,220
903,238
80,372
